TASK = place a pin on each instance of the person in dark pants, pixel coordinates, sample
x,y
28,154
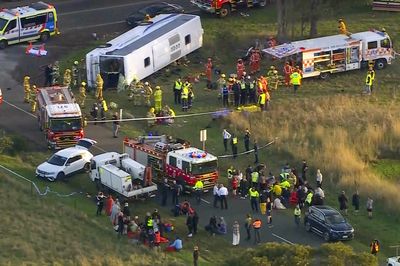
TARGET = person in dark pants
x,y
164,192
236,93
255,147
223,193
176,192
234,143
247,139
356,201
115,124
243,188
99,203
254,198
120,224
343,202
216,195
196,254
304,170
226,135
95,111
248,223
195,221
48,75
189,224
257,227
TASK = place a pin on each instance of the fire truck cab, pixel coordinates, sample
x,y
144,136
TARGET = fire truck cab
x,y
174,160
224,7
59,117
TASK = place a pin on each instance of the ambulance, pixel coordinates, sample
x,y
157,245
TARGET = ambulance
x,y
323,56
28,23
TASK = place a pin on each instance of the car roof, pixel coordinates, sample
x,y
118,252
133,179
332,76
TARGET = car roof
x,y
327,210
71,151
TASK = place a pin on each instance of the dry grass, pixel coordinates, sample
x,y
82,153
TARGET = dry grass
x,y
340,134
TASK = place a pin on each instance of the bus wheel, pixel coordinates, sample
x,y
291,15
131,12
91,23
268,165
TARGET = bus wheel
x,y
44,37
380,64
224,11
324,75
3,44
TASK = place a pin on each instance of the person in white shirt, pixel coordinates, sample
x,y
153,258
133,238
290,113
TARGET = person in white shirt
x,y
320,192
319,178
216,195
223,193
226,135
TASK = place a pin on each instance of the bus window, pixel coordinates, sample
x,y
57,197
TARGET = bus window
x,y
11,25
33,21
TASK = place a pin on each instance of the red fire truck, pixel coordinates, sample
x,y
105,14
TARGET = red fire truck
x,y
59,117
224,7
174,159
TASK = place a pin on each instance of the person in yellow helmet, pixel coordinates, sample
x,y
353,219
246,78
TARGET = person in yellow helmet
x,y
148,91
342,27
32,98
27,88
75,74
99,87
67,78
158,99
82,94
152,117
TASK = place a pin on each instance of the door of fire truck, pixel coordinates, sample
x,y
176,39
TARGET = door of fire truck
x,y
157,166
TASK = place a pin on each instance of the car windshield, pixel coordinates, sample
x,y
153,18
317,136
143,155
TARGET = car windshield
x,y
335,219
204,168
3,23
65,124
57,160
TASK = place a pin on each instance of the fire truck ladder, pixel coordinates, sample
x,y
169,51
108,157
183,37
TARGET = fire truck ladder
x,y
249,3
233,5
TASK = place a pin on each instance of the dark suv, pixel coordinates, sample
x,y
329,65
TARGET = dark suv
x,y
328,223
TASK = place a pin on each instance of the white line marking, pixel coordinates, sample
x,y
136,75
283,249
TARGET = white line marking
x,y
20,109
206,201
281,238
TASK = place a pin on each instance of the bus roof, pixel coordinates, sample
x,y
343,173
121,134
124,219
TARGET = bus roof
x,y
142,35
324,43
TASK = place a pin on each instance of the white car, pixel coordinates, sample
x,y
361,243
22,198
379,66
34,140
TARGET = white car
x,y
393,261
67,161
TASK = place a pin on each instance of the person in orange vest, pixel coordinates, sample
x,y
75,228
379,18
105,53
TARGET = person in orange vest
x,y
374,247
287,70
264,82
255,61
240,68
209,67
257,226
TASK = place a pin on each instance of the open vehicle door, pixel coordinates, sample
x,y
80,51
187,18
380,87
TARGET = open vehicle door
x,y
85,143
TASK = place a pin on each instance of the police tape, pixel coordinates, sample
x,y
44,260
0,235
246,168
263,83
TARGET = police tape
x,y
250,151
215,113
47,190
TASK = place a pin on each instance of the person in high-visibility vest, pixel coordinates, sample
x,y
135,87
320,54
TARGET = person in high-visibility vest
x,y
309,198
295,79
240,68
342,27
257,226
255,59
221,81
177,88
254,196
148,91
82,94
372,72
67,78
185,96
243,91
368,83
297,215
32,98
209,67
99,87
158,99
27,88
198,189
152,117
287,70
234,143
262,100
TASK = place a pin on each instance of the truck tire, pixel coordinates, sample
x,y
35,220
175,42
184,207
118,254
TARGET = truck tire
x,y
86,168
225,10
324,75
44,36
380,64
3,44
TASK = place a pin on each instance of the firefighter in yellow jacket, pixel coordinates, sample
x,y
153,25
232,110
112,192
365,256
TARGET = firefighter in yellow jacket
x,y
67,78
32,98
148,91
27,88
99,87
82,94
158,99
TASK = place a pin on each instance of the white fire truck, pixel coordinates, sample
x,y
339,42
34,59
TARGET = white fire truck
x,y
59,117
174,160
121,174
337,53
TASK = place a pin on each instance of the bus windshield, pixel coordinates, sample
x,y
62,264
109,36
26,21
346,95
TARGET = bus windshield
x,y
3,23
204,168
66,124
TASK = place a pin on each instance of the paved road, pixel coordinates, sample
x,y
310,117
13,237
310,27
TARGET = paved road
x,y
78,19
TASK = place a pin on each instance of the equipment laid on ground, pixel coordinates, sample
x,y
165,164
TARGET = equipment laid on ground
x,y
145,49
59,116
121,174
382,5
338,53
38,50
35,22
174,160
224,7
